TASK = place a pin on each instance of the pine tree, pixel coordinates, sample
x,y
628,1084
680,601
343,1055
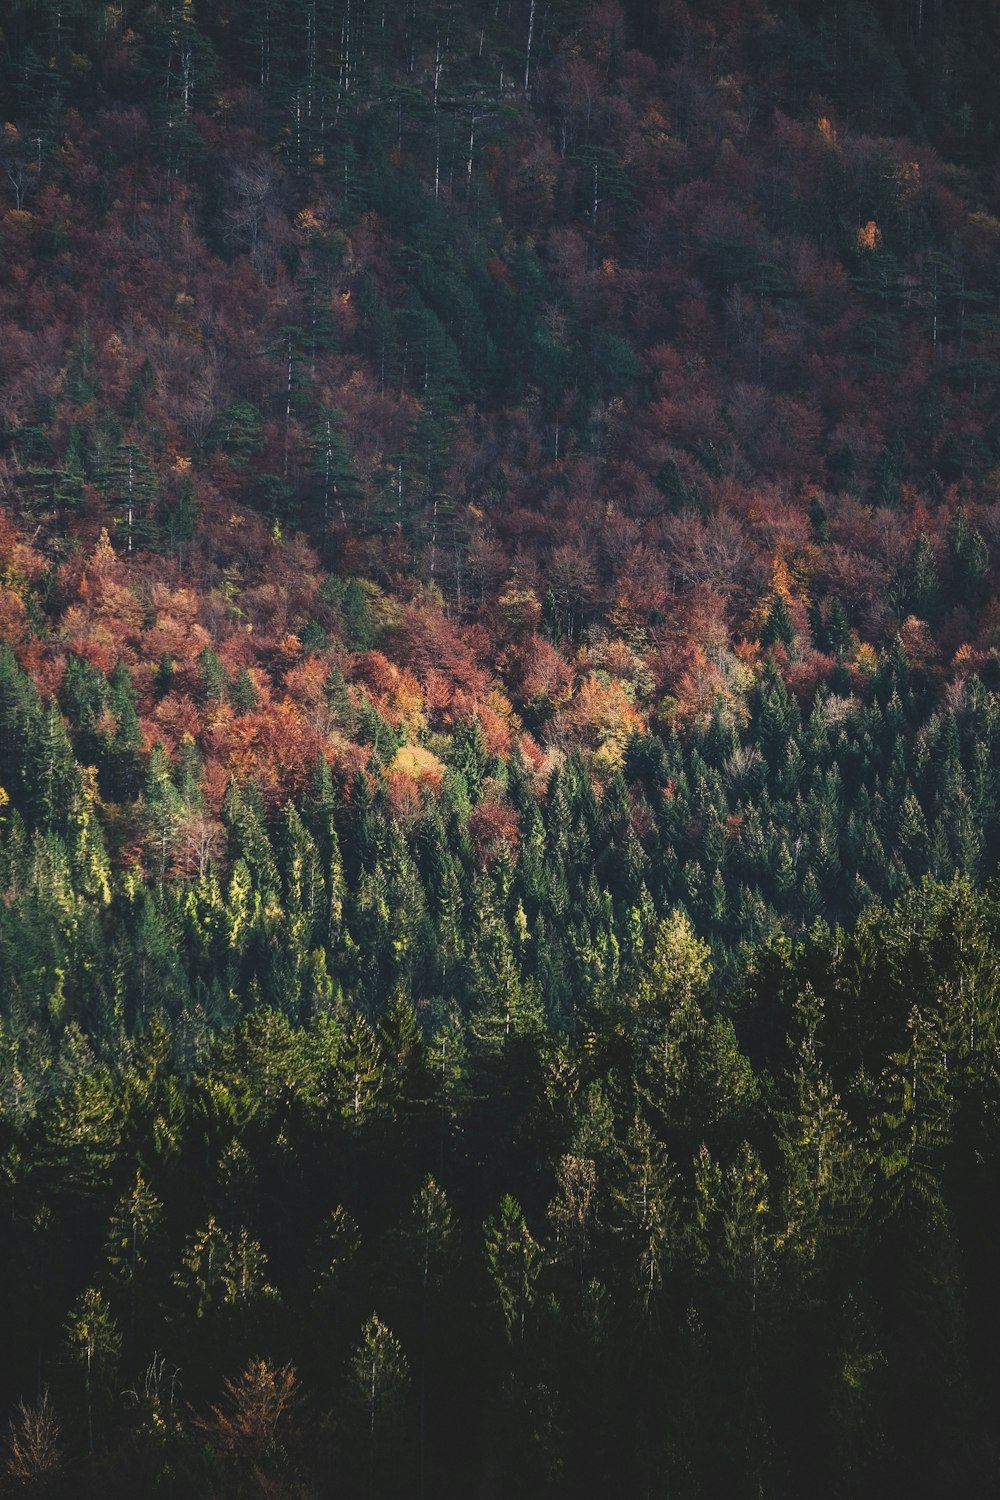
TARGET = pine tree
x,y
970,561
121,752
778,627
355,614
335,1252
208,1270
179,63
94,1341
916,1125
20,709
83,696
429,1241
243,694
514,1262
825,1190
644,1193
572,1211
380,1378
360,1073
214,678
132,1235
838,629
673,971
54,788
336,484
130,488
242,814
161,810
468,758
916,588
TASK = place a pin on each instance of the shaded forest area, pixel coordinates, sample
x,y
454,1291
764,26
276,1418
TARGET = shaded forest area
x,y
499,959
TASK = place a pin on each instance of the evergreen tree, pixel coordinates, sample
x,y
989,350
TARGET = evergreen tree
x,y
355,614
132,1237
379,1383
970,561
916,588
95,1343
514,1262
644,1195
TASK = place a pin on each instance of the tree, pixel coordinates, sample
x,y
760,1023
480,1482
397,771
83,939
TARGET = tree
x,y
19,710
514,1262
95,1343
131,490
252,1424
917,1264
430,1237
214,678
238,432
360,1073
335,1252
81,1131
131,1238
733,1219
663,989
161,811
243,694
220,1272
916,1125
825,1191
970,561
916,588
121,750
55,786
571,1212
359,634
778,626
644,1194
380,1379
179,63
336,482
34,1451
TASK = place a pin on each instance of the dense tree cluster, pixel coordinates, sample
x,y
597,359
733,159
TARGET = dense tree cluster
x,y
702,1242
681,322
498,734
412,1103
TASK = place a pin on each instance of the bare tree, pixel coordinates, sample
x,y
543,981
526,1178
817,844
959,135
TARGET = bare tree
x,y
33,1447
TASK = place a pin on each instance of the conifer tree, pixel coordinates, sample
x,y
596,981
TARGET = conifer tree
x,y
644,1194
380,1379
95,1343
132,1235
514,1262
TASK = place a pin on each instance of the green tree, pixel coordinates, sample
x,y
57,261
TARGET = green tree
x,y
825,1187
337,486
355,614
380,1379
54,786
243,695
916,587
335,1253
95,1344
778,627
133,1235
645,1200
970,561
514,1261
131,493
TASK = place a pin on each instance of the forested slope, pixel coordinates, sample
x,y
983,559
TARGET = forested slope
x,y
499,522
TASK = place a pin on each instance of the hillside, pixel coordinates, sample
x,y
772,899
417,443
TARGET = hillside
x,y
499,630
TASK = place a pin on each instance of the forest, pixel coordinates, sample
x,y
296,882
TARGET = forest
x,y
499,749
